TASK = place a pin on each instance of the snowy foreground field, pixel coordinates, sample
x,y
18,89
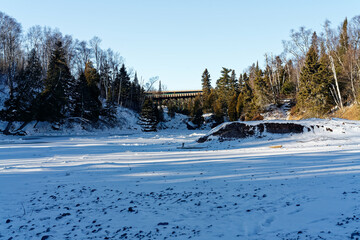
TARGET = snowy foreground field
x,y
146,186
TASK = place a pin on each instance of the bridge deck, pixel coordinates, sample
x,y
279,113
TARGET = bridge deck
x,y
174,94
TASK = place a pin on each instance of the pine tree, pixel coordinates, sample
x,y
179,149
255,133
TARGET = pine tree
x,y
223,83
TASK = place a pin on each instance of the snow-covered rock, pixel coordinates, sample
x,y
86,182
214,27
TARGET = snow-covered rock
x,y
236,130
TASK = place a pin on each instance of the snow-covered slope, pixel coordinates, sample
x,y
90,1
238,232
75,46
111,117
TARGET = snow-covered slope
x,y
127,122
165,185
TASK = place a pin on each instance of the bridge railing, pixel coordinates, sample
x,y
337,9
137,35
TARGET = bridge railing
x,y
174,94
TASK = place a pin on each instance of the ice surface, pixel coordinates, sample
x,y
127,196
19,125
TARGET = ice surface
x,y
135,185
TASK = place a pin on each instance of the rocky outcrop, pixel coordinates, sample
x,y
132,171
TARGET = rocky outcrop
x,y
235,130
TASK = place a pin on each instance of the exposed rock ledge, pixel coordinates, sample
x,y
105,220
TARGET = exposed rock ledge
x,y
235,130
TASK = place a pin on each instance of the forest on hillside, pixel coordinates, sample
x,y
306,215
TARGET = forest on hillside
x,y
48,76
319,72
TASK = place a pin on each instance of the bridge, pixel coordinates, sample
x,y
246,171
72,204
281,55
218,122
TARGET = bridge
x,y
173,94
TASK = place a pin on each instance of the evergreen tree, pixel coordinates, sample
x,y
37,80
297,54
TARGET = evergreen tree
x,y
136,94
344,39
148,117
262,89
232,113
105,80
171,109
108,113
246,107
197,112
223,83
234,85
122,87
87,105
223,89
206,87
21,104
218,110
92,93
313,95
56,100
241,81
160,88
159,112
315,43
206,82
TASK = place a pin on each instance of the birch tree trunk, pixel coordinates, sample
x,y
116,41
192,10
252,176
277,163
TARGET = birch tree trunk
x,y
340,104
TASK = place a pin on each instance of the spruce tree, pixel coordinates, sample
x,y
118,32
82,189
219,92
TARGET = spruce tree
x,y
206,82
56,99
122,88
313,96
206,87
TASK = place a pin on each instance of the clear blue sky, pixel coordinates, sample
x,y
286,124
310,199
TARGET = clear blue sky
x,y
177,40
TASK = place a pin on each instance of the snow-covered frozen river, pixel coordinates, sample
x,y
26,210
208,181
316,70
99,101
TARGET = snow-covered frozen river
x,y
147,186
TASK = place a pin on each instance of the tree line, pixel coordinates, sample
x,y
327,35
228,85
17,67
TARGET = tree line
x,y
319,71
48,76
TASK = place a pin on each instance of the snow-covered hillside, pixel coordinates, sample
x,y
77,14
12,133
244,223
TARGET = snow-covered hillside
x,y
127,121
166,186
